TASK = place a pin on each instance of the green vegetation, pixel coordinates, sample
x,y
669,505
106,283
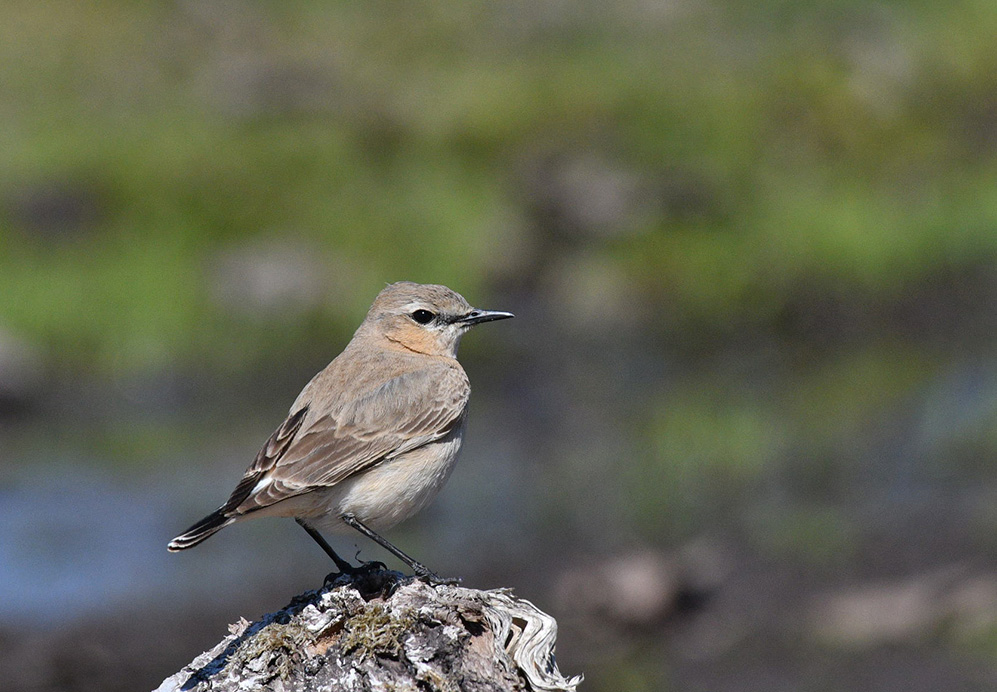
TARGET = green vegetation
x,y
842,147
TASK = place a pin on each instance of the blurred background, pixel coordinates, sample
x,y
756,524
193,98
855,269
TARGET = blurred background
x,y
740,434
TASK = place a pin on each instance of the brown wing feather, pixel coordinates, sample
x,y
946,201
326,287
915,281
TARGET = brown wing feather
x,y
402,414
268,457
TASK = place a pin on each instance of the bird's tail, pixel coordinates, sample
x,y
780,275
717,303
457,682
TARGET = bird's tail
x,y
212,523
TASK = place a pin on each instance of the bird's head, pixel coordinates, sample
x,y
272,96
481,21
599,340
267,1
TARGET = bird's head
x,y
425,318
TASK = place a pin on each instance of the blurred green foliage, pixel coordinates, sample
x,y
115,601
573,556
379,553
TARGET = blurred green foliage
x,y
842,147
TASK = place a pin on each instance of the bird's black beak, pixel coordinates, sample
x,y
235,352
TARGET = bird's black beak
x,y
478,316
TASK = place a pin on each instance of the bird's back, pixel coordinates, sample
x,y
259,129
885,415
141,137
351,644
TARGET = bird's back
x,y
355,377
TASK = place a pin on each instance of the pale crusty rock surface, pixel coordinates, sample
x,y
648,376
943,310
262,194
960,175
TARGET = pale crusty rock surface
x,y
382,632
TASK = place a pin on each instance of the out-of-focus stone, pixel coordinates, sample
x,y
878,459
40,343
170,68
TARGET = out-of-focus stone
x,y
585,196
908,610
275,279
638,590
21,373
54,209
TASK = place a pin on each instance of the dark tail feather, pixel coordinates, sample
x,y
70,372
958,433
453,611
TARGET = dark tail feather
x,y
200,531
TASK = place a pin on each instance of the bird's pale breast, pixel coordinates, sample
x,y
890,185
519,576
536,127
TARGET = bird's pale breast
x,y
383,495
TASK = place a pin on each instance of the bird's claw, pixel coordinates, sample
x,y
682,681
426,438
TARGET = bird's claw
x,y
372,566
332,577
434,579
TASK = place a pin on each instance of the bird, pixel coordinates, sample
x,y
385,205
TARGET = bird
x,y
371,438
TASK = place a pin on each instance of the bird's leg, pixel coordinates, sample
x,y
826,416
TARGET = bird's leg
x,y
420,569
341,564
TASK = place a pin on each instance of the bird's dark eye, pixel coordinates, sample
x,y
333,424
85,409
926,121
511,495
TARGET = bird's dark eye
x,y
423,316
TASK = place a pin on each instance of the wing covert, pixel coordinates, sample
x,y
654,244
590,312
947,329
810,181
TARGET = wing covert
x,y
404,413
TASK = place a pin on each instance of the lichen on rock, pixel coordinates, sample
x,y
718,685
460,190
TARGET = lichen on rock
x,y
385,632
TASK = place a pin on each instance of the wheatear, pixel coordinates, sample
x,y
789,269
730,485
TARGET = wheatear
x,y
372,438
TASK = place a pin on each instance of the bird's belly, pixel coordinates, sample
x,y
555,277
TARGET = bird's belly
x,y
393,490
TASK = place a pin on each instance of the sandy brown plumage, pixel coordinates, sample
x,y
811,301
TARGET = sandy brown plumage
x,y
373,435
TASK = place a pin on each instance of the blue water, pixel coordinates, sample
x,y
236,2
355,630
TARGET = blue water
x,y
75,539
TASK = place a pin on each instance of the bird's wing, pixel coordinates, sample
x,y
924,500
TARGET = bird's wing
x,y
268,456
402,414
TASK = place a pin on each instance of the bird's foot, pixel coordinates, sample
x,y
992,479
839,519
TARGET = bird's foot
x,y
422,573
371,566
361,571
333,577
372,579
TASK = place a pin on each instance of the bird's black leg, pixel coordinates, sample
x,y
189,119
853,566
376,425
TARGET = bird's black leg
x,y
420,569
341,564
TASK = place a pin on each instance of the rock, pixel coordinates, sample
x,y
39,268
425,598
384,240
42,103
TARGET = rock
x,y
640,590
58,209
394,633
272,280
585,197
22,378
953,598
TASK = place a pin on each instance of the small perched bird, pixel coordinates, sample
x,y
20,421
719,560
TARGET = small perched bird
x,y
372,438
